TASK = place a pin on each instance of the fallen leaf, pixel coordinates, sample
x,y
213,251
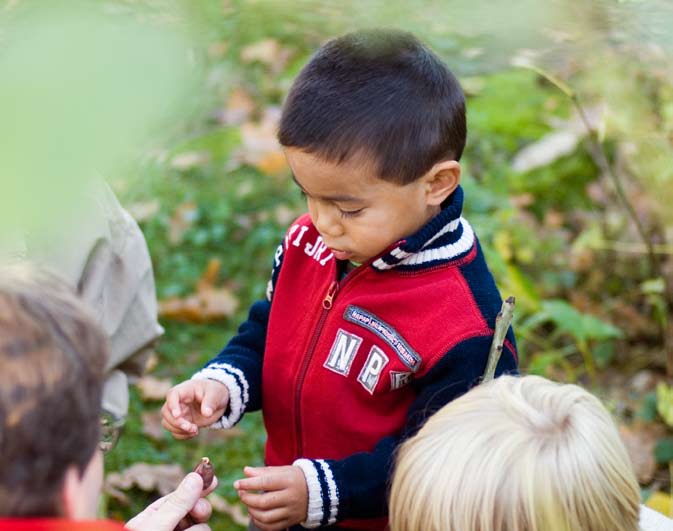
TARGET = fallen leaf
x,y
549,148
558,143
152,388
209,277
182,219
150,478
240,106
151,421
208,303
267,51
260,147
234,510
640,441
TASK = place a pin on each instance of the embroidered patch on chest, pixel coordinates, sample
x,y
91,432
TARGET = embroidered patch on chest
x,y
386,332
372,369
343,352
399,379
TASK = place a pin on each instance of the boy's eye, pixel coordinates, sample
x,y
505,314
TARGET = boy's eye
x,y
350,213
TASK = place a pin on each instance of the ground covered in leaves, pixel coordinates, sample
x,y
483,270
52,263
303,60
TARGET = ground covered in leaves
x,y
568,179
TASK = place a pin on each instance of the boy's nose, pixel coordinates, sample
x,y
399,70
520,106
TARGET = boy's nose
x,y
327,222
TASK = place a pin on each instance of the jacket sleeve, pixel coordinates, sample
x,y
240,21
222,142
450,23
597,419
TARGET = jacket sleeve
x,y
239,364
356,486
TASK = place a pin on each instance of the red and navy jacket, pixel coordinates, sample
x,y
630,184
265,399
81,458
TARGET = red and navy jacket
x,y
345,368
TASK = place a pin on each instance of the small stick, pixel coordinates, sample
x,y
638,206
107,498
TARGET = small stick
x,y
502,322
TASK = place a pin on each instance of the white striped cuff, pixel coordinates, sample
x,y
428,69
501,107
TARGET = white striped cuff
x,y
235,381
319,479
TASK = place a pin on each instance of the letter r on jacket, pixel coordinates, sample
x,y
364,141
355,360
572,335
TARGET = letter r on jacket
x,y
342,353
372,369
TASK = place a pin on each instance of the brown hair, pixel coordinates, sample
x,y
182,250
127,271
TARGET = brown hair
x,y
52,356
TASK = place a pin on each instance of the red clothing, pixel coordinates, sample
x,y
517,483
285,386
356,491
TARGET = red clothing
x,y
345,368
335,353
58,524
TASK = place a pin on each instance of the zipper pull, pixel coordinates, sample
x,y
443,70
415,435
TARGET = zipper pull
x,y
331,292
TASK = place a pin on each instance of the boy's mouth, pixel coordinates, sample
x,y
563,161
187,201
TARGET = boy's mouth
x,y
341,255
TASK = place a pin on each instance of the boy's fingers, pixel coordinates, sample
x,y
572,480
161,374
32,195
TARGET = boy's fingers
x,y
177,431
265,501
180,423
266,482
274,519
255,471
173,400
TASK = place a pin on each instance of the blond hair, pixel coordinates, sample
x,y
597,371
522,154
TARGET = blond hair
x,y
516,454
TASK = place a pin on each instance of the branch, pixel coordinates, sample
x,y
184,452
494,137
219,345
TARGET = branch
x,y
601,159
502,322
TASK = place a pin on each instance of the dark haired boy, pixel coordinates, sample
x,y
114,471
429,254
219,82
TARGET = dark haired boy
x,y
380,307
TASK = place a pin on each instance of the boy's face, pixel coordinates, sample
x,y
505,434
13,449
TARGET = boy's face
x,y
358,214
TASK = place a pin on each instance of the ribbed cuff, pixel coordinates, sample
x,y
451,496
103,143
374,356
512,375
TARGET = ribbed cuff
x,y
235,381
323,496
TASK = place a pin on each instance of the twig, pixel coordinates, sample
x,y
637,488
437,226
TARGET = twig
x,y
628,247
601,159
502,322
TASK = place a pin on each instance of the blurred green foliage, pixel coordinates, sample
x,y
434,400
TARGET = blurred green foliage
x,y
551,232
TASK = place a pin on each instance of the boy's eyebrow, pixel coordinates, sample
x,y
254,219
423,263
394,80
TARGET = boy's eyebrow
x,y
339,198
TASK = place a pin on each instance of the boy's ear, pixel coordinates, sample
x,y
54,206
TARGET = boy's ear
x,y
442,179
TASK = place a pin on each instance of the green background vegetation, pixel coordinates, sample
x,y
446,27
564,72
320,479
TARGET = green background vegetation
x,y
592,304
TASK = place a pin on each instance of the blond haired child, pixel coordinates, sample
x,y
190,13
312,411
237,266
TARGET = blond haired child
x,y
517,454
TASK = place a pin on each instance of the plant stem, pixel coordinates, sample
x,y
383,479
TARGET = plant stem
x,y
502,322
600,157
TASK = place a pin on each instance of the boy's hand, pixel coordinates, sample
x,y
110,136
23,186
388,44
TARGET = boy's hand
x,y
283,498
193,404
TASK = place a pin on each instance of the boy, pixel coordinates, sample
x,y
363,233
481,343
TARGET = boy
x,y
519,454
53,358
380,307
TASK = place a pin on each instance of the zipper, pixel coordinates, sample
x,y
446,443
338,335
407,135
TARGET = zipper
x,y
326,307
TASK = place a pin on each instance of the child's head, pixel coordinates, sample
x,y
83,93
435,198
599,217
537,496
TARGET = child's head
x,y
516,454
373,128
52,359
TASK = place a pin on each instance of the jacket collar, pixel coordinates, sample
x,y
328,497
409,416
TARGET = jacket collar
x,y
445,238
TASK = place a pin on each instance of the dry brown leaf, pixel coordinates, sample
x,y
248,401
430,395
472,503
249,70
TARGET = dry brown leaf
x,y
152,427
268,52
152,388
640,440
182,219
234,510
260,145
240,106
209,277
150,478
208,303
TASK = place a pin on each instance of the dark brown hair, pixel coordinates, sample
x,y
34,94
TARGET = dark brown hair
x,y
381,94
52,359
